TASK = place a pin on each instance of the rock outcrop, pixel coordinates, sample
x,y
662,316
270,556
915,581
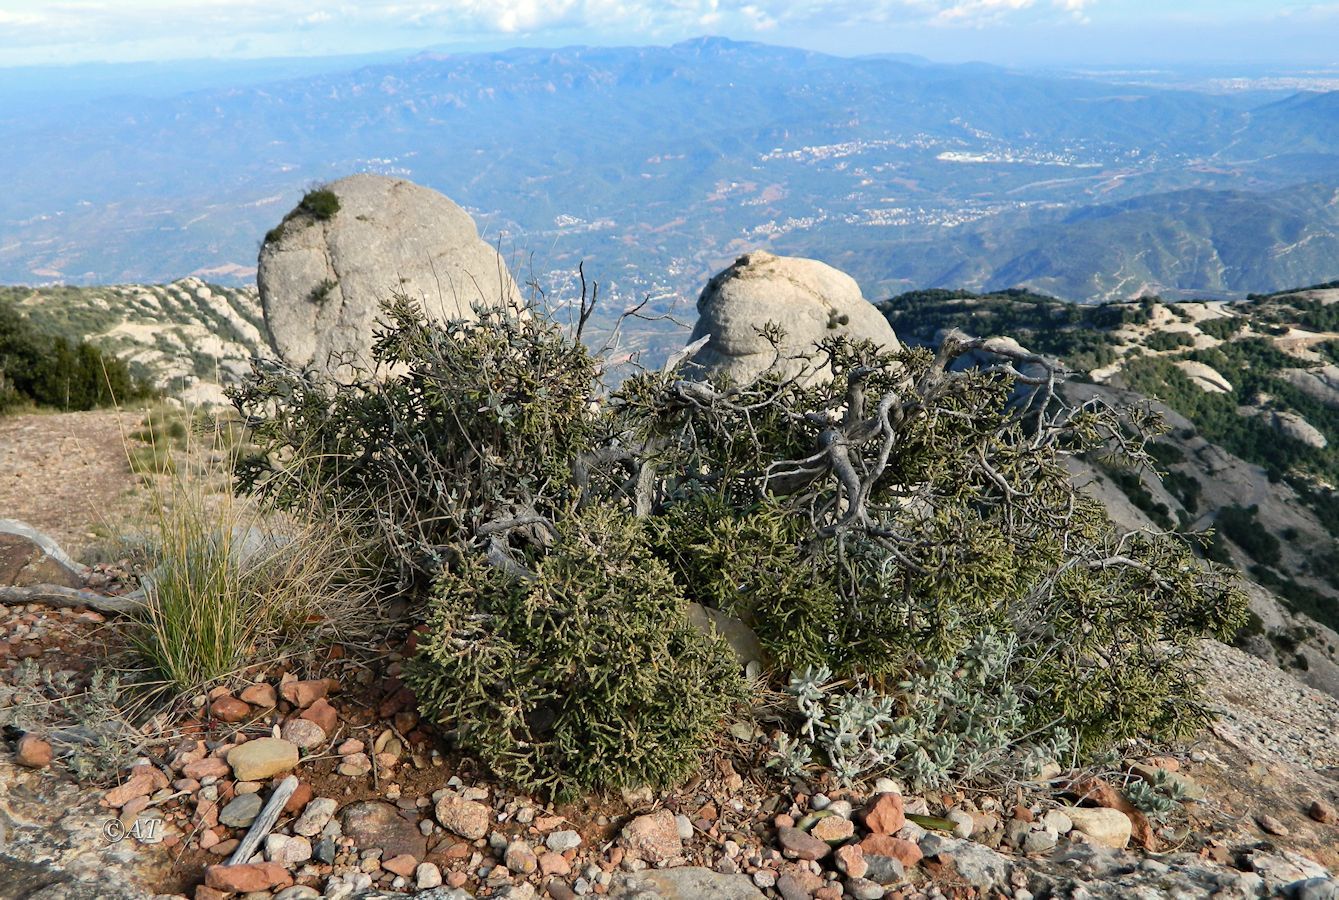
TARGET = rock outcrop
x,y
809,300
322,279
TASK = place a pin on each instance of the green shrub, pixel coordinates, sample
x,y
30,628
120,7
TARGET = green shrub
x,y
319,203
881,522
49,370
1244,529
481,427
1169,340
586,677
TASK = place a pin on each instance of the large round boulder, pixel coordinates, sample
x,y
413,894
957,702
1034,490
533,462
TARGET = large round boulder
x,y
807,299
326,269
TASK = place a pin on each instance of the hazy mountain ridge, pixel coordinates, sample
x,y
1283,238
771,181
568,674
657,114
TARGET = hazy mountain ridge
x,y
901,172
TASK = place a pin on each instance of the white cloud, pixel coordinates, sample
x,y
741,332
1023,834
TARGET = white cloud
x,y
83,28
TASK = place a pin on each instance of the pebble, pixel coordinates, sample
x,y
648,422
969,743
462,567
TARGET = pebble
x,y
886,814
262,758
467,818
864,889
315,816
963,823
1323,812
427,876
562,841
241,811
303,733
1039,841
1272,825
33,752
800,845
655,836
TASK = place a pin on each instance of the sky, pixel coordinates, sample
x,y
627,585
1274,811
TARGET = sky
x,y
1010,32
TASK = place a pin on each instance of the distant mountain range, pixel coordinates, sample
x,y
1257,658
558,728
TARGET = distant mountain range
x,y
657,165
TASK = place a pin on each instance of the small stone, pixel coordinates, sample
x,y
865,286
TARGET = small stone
x,y
1057,821
1272,825
685,827
963,823
1107,827
33,752
247,877
403,865
229,709
833,829
317,813
655,836
519,858
467,818
210,767
764,878
864,889
554,864
851,861
350,745
304,733
799,845
262,758
1039,841
241,811
562,841
886,814
884,869
908,853
321,713
1323,812
261,695
287,850
324,851
303,694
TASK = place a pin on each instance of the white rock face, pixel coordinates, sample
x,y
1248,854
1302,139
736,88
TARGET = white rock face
x,y
1291,425
1205,377
322,281
810,300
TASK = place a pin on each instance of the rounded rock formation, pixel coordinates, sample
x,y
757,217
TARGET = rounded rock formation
x,y
326,269
809,300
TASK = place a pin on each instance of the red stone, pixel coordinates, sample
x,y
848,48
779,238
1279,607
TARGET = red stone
x,y
34,752
135,786
247,877
261,695
302,795
904,851
404,864
203,768
885,815
323,714
303,694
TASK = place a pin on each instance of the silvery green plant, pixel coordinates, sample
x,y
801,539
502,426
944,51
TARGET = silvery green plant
x,y
1156,797
962,720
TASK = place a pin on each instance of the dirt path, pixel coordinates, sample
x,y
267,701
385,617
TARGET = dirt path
x,y
66,474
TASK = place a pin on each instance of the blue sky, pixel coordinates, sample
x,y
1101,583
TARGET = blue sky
x,y
1004,31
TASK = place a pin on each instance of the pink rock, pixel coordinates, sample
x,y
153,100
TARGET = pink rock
x,y
404,864
261,695
655,836
303,694
885,815
34,752
247,877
